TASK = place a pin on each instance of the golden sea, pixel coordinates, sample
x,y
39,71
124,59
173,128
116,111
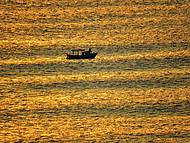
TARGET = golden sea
x,y
136,90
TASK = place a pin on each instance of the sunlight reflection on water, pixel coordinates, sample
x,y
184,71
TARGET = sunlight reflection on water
x,y
135,90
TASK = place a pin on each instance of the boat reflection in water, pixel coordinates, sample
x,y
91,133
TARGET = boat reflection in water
x,y
81,54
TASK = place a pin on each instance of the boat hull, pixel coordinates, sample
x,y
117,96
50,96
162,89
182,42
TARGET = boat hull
x,y
87,56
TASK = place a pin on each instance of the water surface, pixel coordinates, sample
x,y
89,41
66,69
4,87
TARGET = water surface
x,y
135,90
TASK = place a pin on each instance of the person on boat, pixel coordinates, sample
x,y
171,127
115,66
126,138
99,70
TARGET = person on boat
x,y
90,51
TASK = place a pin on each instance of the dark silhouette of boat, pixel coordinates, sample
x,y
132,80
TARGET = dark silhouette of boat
x,y
81,54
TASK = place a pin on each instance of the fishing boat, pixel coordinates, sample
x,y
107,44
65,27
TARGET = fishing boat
x,y
81,54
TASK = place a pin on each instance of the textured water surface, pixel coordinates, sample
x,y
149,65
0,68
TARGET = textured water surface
x,y
137,89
